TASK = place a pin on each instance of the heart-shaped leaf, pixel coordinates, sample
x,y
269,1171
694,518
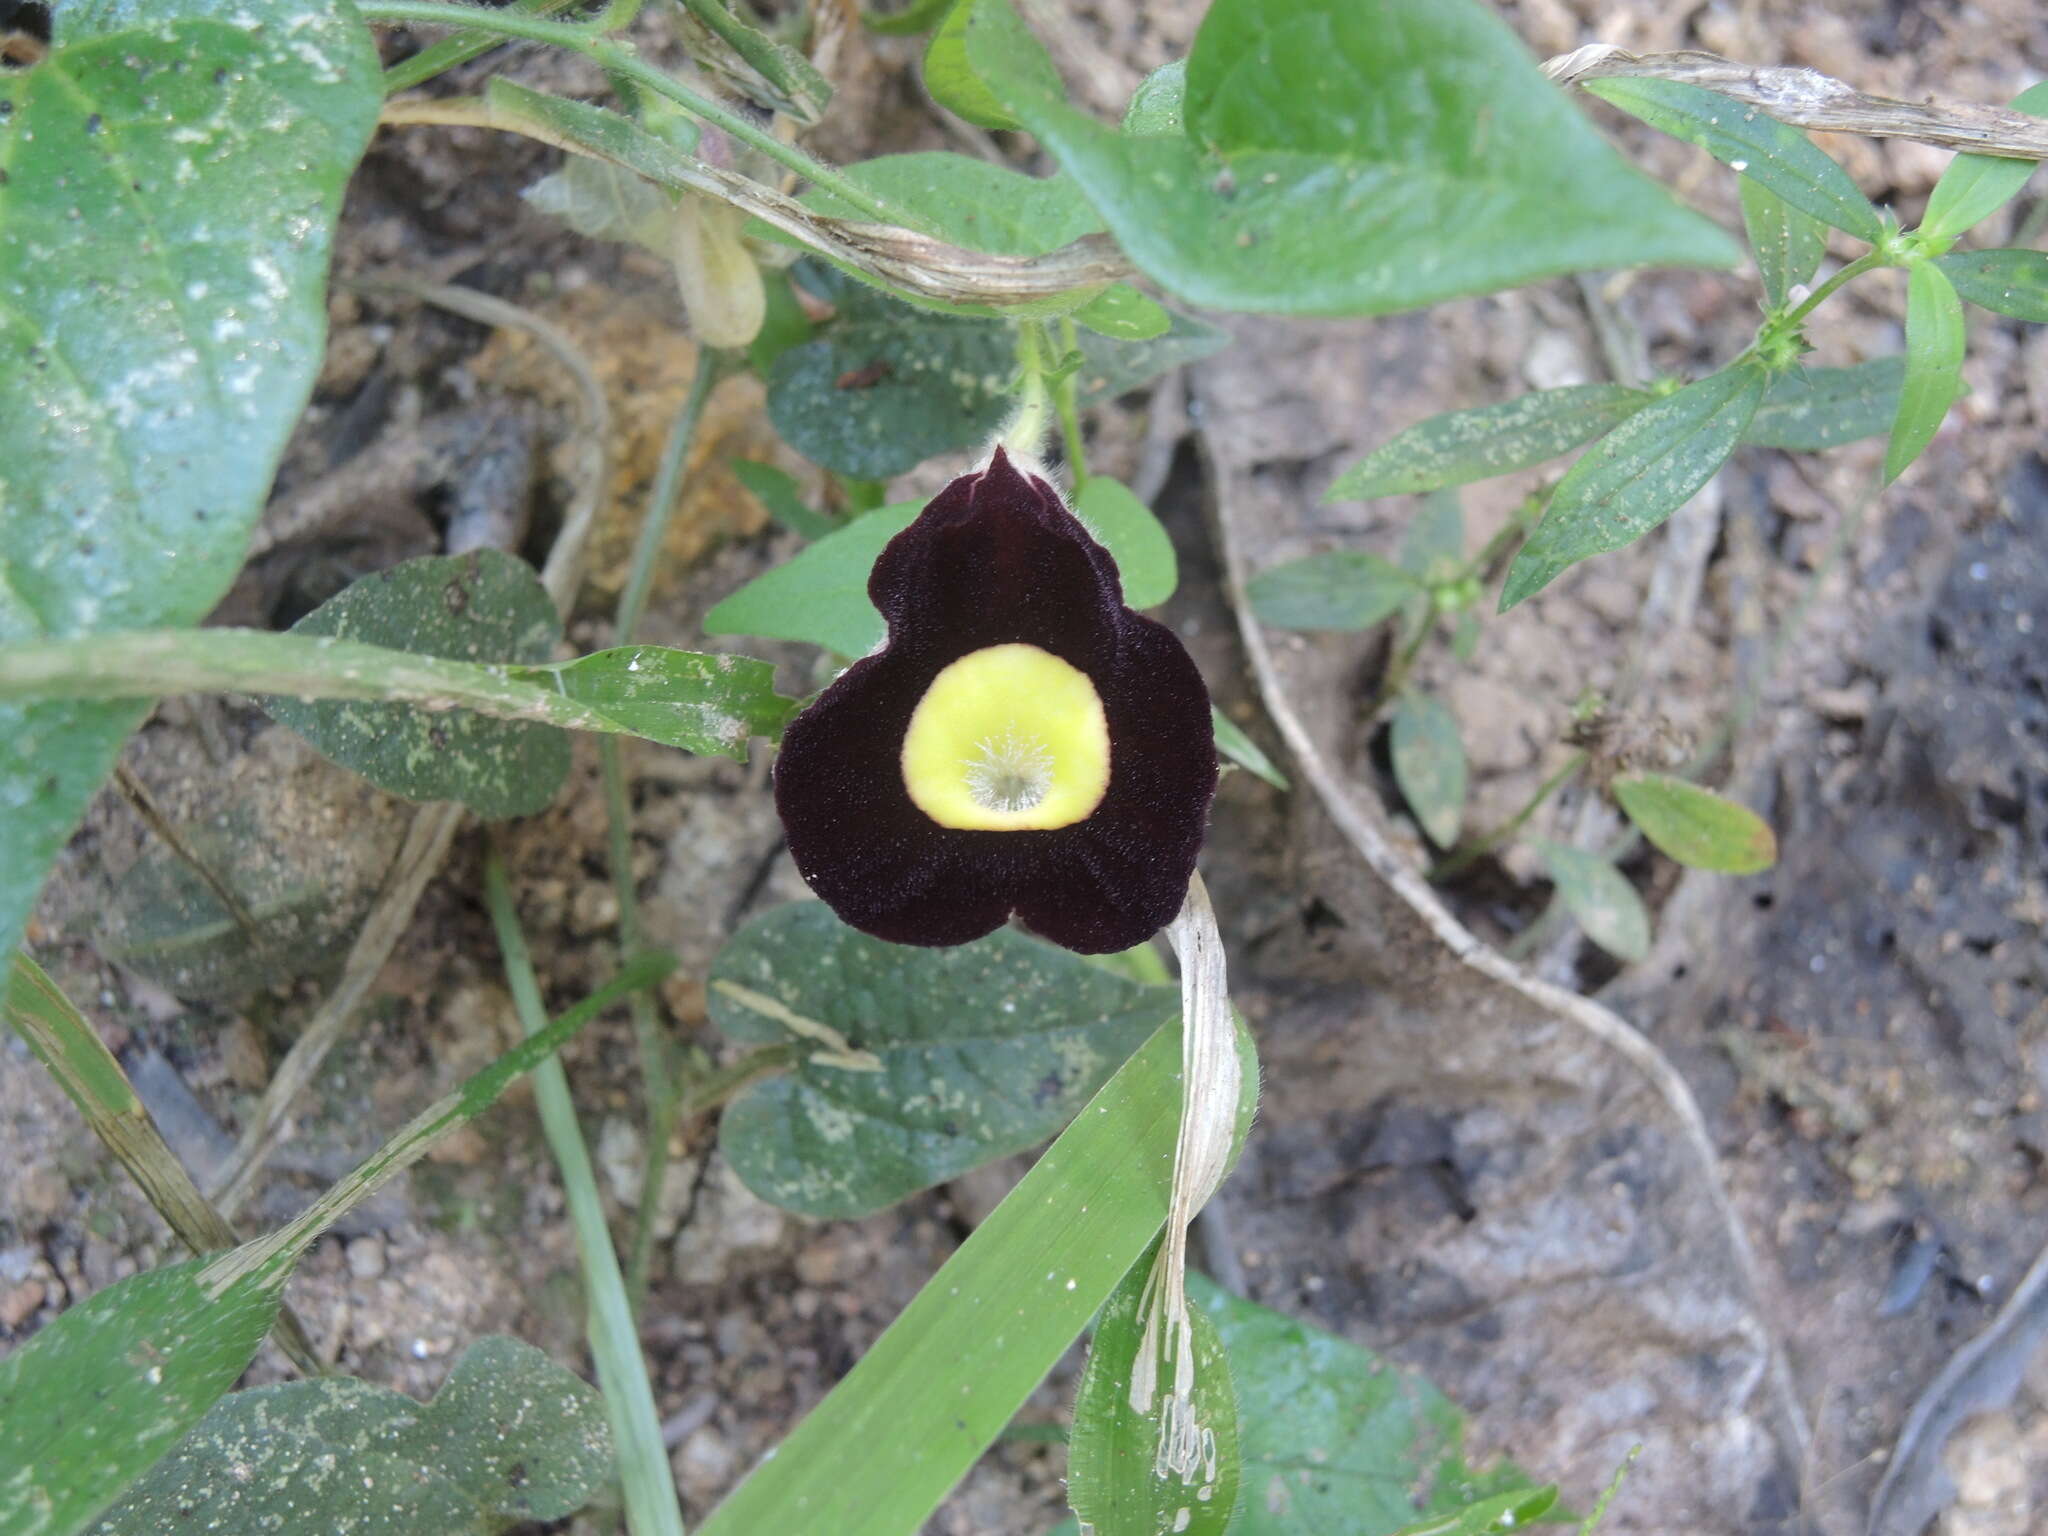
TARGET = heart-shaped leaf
x,y
914,1065
1348,157
173,176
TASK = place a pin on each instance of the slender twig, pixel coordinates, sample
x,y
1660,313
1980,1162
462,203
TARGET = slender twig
x,y
656,1076
1806,98
1475,848
1395,678
64,1040
644,1477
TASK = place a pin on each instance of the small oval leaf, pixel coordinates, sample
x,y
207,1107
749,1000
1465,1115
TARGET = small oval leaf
x,y
1134,537
1459,447
1934,366
1429,765
1600,897
1346,590
1695,826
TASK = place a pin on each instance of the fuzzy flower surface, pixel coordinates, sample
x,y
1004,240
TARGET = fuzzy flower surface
x,y
1023,745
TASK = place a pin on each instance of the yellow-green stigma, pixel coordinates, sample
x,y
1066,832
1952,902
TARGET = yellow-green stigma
x,y
1009,738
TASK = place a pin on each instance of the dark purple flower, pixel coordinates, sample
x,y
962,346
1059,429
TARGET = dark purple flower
x,y
1023,744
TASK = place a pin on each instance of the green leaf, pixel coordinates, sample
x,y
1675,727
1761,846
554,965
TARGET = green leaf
x,y
1976,186
1496,1516
771,71
918,16
1159,104
1125,314
885,385
1934,365
1242,750
1788,243
1636,476
93,1400
1599,896
1346,590
605,201
181,168
1470,172
1111,1481
1111,366
1809,409
1336,1439
876,1457
1695,826
1459,447
820,596
1768,152
783,324
1126,527
707,704
920,1064
485,606
1433,547
2012,282
511,1437
1429,765
951,77
777,491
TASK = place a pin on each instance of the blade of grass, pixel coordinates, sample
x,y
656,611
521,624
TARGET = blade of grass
x,y
936,1389
644,1476
64,1040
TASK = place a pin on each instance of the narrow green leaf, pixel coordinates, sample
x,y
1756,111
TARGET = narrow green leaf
x,y
485,606
1695,826
1113,366
1242,750
1429,765
1495,1516
1470,174
1346,590
1787,242
2011,282
1636,476
772,72
918,1064
1777,157
1809,409
1112,1483
819,596
93,1400
1599,896
511,1437
174,174
886,385
953,80
1126,527
918,16
1123,313
1433,546
877,1456
707,704
1976,186
1336,1439
777,491
1934,365
1459,447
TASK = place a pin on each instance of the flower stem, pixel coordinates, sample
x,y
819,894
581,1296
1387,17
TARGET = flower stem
x,y
1025,434
644,1476
619,59
1461,857
1066,400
